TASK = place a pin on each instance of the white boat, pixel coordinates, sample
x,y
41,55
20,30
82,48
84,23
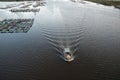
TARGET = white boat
x,y
68,55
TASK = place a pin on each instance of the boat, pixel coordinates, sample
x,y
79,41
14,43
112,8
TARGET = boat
x,y
68,55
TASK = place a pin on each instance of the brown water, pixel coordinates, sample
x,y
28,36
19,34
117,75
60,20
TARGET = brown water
x,y
31,55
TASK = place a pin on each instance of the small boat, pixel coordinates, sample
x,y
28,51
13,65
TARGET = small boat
x,y
68,55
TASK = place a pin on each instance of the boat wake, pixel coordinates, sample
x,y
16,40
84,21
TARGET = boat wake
x,y
65,41
64,37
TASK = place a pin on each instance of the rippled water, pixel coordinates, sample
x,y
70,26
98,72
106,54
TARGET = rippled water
x,y
91,31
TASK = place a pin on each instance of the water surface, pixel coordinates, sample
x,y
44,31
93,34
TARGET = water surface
x,y
95,28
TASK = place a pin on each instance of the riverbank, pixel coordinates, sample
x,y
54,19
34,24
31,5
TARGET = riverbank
x,y
106,2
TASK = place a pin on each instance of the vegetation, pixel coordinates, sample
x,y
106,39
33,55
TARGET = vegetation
x,y
106,2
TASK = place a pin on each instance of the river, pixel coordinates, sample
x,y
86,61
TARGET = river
x,y
93,28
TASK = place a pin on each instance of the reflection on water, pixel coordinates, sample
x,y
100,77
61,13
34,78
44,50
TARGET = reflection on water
x,y
61,35
23,21
25,10
79,1
15,25
25,4
90,31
